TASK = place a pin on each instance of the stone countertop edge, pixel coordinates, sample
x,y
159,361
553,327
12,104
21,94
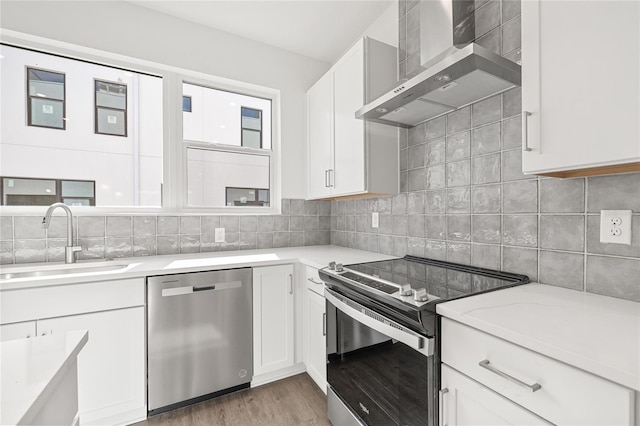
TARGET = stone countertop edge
x,y
23,397
598,334
139,267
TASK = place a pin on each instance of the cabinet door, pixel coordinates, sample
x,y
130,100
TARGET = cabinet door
x,y
273,346
19,330
348,174
464,401
581,84
319,136
315,335
111,367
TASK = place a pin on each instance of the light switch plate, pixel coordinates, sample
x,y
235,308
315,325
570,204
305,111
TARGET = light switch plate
x,y
375,220
615,226
219,235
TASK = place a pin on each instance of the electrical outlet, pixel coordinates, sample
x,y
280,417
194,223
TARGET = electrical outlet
x,y
615,226
219,235
375,220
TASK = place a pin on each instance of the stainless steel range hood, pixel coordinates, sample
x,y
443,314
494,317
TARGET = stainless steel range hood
x,y
456,72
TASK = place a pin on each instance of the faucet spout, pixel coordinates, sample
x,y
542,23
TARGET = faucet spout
x,y
70,250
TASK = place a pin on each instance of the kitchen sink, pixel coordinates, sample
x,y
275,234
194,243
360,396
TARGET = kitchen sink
x,y
61,269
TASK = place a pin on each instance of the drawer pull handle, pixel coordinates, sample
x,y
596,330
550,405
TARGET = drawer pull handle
x,y
443,411
315,282
486,364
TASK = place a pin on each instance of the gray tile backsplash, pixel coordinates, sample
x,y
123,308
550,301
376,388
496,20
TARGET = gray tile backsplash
x,y
470,202
23,240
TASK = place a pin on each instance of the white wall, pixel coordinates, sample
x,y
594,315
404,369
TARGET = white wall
x,y
126,29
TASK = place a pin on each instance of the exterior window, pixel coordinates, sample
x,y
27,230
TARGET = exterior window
x,y
111,108
251,127
247,197
45,98
20,191
186,103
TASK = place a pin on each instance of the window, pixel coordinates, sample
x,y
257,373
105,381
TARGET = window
x,y
186,103
251,127
111,108
46,98
247,197
43,192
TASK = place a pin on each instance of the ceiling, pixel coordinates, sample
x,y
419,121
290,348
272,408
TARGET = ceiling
x,y
319,29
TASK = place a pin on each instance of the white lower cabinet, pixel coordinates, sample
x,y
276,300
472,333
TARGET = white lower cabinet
x,y
464,401
111,379
314,323
273,328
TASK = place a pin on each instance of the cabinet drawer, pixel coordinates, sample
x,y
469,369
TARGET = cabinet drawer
x,y
56,301
313,280
566,395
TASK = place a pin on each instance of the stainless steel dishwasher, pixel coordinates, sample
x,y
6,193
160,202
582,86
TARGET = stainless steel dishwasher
x,y
199,339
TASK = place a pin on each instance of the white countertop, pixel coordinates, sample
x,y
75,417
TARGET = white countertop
x,y
595,333
31,369
315,256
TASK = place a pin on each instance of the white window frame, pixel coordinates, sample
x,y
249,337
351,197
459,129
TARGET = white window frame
x,y
174,191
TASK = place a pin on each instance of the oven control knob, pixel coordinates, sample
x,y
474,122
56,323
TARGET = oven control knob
x,y
332,265
406,290
421,295
339,267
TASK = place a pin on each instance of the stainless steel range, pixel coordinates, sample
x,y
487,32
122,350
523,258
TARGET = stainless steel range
x,y
383,346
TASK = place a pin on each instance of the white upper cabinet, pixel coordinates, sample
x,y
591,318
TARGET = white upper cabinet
x,y
347,156
580,87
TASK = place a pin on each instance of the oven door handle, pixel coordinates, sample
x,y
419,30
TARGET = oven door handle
x,y
373,320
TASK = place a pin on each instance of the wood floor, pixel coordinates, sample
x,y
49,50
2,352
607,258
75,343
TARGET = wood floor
x,y
295,400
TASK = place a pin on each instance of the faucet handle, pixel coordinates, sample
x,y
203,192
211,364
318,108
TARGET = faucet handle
x,y
70,253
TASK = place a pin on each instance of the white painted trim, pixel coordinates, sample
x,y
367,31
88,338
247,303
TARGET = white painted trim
x,y
263,379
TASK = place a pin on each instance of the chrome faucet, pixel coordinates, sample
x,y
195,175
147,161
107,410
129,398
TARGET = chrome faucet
x,y
70,250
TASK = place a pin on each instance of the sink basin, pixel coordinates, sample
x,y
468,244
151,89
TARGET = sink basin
x,y
60,269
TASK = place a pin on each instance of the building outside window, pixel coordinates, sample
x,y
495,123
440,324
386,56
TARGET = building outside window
x,y
111,108
45,98
251,127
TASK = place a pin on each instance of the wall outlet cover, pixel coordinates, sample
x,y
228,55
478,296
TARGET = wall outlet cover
x,y
615,226
219,235
375,220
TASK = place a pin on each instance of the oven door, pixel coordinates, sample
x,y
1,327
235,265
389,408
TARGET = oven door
x,y
379,372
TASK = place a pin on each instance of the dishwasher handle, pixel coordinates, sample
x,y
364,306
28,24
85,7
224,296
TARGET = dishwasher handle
x,y
189,289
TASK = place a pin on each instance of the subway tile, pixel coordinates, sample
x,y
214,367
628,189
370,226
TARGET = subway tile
x,y
361,206
485,256
208,244
30,227
341,224
324,238
402,69
404,181
385,223
280,239
311,223
435,152
231,243
459,227
324,207
399,204
297,207
144,246
413,60
404,159
285,207
459,200
361,242
615,192
117,247
458,146
417,180
189,243
615,277
486,139
436,128
486,111
6,228
56,249
511,35
311,208
166,225
459,253
385,244
399,225
402,47
415,246
361,223
92,248
520,197
415,202
415,225
512,102
487,17
190,225
415,156
144,226
521,230
384,204
458,120
296,239
247,240
436,227
324,223
168,245
459,173
412,42
492,41
265,223
486,199
595,246
436,177
337,238
248,224
510,9
562,195
562,232
399,246
485,169
512,132
334,223
486,229
296,223
58,227
231,224
349,224
417,135
562,269
6,252
436,250
29,251
403,138
435,201
512,166
521,261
